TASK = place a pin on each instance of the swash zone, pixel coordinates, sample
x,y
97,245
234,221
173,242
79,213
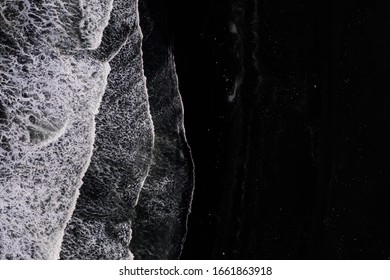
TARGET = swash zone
x,y
68,125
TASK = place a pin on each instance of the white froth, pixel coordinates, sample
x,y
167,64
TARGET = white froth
x,y
71,24
95,17
100,227
46,140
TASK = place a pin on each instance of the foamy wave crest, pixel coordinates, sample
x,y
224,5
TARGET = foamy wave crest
x,y
101,224
71,24
48,101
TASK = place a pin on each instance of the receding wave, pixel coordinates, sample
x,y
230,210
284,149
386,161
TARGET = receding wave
x,y
93,155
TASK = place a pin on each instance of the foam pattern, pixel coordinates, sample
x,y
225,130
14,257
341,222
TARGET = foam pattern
x,y
48,102
95,15
123,149
67,24
160,224
91,162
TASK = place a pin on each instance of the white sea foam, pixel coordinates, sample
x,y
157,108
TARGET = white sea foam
x,y
50,91
101,224
95,17
49,101
70,24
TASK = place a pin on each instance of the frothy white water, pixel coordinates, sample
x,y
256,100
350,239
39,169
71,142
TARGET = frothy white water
x,y
46,143
68,24
48,101
95,15
54,65
101,225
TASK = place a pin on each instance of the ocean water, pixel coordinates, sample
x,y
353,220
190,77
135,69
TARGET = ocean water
x,y
149,192
160,225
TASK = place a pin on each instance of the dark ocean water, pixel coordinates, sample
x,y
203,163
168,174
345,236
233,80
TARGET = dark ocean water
x,y
160,226
286,165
